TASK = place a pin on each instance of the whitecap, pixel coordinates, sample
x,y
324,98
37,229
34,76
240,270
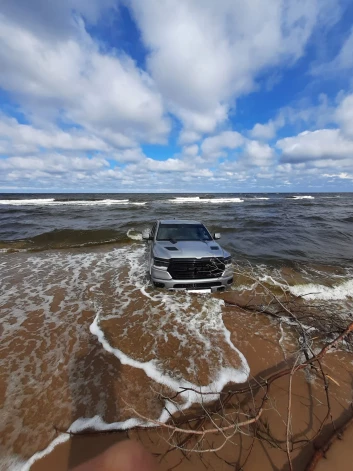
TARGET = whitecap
x,y
303,197
134,235
53,202
197,199
40,201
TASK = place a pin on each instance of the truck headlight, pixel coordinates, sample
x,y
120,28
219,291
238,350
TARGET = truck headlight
x,y
161,262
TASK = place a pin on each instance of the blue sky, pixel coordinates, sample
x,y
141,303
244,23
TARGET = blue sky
x,y
179,95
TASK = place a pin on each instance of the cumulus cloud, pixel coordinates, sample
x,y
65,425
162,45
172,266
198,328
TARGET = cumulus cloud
x,y
321,144
53,163
50,171
264,131
74,79
344,113
188,137
191,150
259,154
169,165
212,147
84,108
342,175
52,19
129,155
23,138
204,54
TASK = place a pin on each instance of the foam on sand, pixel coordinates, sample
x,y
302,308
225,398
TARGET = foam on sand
x,y
197,199
154,370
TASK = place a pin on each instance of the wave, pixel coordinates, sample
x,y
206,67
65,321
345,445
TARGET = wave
x,y
260,198
301,197
66,238
134,235
40,201
54,202
313,291
197,199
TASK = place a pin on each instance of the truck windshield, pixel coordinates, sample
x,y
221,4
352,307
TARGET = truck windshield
x,y
179,232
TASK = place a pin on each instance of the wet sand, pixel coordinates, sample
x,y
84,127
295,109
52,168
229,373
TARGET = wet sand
x,y
57,372
307,408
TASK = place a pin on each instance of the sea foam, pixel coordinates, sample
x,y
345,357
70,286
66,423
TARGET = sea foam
x,y
313,291
53,202
197,199
302,197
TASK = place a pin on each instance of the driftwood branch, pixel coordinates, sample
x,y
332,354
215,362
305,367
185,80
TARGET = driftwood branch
x,y
322,450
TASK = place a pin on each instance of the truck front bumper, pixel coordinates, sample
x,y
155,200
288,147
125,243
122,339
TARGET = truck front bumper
x,y
162,279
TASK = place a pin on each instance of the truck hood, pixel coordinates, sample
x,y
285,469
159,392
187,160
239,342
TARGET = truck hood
x,y
188,249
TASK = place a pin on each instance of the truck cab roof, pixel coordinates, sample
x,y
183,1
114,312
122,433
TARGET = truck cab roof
x,y
178,221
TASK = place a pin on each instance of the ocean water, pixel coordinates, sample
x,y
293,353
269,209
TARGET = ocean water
x,y
262,228
83,333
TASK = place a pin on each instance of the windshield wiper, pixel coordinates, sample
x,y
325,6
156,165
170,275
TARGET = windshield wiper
x,y
173,241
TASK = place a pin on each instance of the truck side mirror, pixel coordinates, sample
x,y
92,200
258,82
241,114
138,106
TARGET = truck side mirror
x,y
217,235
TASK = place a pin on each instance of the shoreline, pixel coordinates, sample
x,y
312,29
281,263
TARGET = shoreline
x,y
59,359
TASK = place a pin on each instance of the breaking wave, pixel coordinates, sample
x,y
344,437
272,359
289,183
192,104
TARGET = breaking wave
x,y
313,291
302,197
198,199
54,202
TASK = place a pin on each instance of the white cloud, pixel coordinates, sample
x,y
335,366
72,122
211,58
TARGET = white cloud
x,y
54,163
72,78
264,131
302,113
258,153
52,18
344,113
188,137
204,54
342,61
129,155
82,96
342,175
23,138
191,150
321,144
212,147
169,165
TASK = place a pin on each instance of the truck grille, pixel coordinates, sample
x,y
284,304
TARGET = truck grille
x,y
192,268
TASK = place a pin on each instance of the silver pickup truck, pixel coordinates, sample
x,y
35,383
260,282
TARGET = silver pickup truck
x,y
183,254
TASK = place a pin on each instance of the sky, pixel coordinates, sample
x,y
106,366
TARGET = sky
x,y
176,96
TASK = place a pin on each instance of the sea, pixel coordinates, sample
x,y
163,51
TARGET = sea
x,y
86,340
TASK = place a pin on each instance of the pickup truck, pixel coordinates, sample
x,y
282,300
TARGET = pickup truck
x,y
184,255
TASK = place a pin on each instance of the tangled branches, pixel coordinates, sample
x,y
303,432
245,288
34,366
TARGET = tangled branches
x,y
264,411
224,419
244,409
